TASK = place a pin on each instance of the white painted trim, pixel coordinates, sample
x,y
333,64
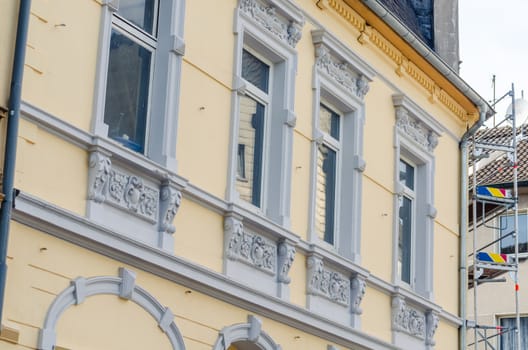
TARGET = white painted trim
x,y
123,287
60,223
250,331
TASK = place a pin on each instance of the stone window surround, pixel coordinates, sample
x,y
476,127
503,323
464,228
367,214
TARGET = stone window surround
x,y
415,137
164,96
341,78
272,29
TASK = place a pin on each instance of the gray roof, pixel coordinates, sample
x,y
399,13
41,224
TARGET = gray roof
x,y
417,16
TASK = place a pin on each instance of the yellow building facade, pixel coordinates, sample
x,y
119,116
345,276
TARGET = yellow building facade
x,y
235,174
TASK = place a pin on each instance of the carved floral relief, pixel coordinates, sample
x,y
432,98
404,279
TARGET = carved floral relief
x,y
340,71
130,193
266,16
407,319
329,284
250,248
416,130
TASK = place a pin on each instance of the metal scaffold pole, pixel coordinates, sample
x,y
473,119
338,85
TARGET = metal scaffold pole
x,y
489,203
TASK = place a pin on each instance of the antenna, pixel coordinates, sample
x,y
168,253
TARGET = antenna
x,y
493,84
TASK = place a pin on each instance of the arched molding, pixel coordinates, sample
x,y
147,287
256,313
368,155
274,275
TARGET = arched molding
x,y
124,287
245,332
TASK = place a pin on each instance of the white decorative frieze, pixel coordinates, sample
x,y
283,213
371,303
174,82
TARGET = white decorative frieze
x,y
416,129
250,248
407,319
341,72
131,193
269,18
329,284
286,258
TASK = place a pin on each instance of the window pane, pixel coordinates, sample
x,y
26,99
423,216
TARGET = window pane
x,y
508,338
404,239
250,141
329,121
127,91
140,12
506,227
325,193
407,174
255,71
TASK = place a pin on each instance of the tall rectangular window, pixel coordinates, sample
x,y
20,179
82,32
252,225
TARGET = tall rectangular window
x,y
133,44
252,128
506,227
327,162
508,337
406,221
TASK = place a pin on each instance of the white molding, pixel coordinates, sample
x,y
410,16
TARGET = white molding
x,y
60,223
193,193
123,286
250,331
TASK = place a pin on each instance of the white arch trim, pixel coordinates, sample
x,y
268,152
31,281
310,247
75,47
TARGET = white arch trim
x,y
124,287
251,331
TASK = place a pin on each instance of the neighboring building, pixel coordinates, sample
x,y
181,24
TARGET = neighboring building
x,y
232,174
496,301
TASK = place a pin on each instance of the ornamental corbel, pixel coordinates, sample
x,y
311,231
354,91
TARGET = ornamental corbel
x,y
99,176
286,258
170,201
357,292
294,33
431,322
362,85
234,235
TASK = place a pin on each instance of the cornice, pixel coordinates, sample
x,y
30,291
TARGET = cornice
x,y
405,64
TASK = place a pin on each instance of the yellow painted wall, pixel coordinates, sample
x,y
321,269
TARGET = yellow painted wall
x,y
446,264
199,235
447,186
205,116
7,42
51,168
377,232
300,193
298,281
447,336
61,58
376,317
41,266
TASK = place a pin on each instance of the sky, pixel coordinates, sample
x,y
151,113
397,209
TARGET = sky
x,y
493,42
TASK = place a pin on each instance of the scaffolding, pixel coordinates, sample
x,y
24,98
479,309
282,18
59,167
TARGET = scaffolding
x,y
488,203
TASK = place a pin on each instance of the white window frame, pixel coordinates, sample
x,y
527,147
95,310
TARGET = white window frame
x,y
415,138
256,94
411,195
521,213
512,317
345,97
335,145
164,86
278,49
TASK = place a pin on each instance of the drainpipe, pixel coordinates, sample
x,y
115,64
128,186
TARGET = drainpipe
x,y
11,140
483,110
